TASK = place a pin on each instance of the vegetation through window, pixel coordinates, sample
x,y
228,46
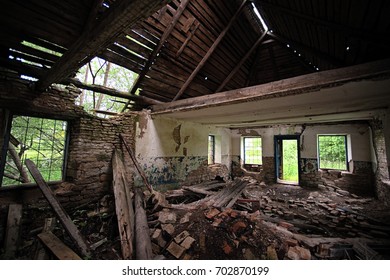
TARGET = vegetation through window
x,y
332,152
252,150
211,150
40,140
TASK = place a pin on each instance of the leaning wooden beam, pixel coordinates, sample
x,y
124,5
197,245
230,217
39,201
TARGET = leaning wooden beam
x,y
292,86
112,92
64,218
210,52
123,207
242,61
120,16
137,165
57,247
157,49
143,243
13,230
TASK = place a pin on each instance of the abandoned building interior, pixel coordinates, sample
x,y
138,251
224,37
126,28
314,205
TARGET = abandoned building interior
x,y
195,129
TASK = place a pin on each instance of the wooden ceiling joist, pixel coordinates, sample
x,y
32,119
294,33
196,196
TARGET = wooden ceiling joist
x,y
210,51
121,15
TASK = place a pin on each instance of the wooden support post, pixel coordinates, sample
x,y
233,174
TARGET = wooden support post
x,y
13,230
137,165
210,52
142,234
123,207
57,247
64,218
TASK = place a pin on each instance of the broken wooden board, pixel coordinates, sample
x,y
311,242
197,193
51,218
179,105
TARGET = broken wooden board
x,y
64,218
13,230
41,253
123,206
142,237
55,245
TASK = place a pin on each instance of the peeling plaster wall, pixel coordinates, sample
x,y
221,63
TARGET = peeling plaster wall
x,y
168,150
360,177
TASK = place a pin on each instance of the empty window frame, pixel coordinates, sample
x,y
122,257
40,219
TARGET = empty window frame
x,y
40,140
211,150
253,150
332,152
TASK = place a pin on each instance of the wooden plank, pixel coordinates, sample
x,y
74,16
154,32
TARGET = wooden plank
x,y
64,218
57,247
210,52
12,233
123,207
121,15
137,165
41,253
142,234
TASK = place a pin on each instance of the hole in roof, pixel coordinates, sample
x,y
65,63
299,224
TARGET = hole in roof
x,y
106,5
347,48
24,77
43,49
257,13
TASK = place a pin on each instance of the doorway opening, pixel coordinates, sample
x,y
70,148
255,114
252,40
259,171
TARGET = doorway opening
x,y
287,159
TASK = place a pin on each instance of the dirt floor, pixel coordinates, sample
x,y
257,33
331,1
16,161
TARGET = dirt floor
x,y
265,222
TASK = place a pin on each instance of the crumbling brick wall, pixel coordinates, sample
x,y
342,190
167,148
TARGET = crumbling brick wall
x,y
265,172
92,141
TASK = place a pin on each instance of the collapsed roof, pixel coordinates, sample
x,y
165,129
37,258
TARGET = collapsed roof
x,y
183,49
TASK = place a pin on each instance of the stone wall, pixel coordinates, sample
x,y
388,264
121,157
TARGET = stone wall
x,y
265,172
88,174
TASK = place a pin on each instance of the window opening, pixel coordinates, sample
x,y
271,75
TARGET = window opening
x,y
252,150
40,140
332,152
211,150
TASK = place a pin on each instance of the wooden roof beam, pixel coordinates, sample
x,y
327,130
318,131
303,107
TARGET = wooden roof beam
x,y
210,51
371,37
112,92
157,49
242,61
121,15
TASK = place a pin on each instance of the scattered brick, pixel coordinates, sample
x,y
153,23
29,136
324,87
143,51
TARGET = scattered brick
x,y
175,250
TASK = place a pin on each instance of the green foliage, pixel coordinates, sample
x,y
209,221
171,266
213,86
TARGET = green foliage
x,y
332,152
42,141
118,78
252,150
290,160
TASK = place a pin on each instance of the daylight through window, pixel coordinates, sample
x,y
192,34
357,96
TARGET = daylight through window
x,y
40,140
332,152
252,150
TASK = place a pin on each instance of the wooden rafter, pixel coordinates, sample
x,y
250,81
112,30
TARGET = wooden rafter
x,y
121,15
371,37
157,49
210,52
242,61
